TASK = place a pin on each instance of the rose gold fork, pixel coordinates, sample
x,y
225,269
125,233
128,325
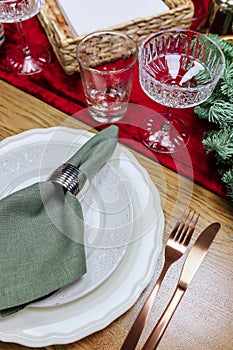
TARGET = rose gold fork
x,y
176,246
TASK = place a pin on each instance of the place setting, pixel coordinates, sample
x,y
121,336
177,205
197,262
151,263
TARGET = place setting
x,y
100,192
118,226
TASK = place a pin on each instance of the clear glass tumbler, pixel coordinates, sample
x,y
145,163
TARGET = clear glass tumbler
x,y
106,60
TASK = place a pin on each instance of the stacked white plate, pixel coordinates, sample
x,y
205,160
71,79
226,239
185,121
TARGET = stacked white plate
x,y
123,230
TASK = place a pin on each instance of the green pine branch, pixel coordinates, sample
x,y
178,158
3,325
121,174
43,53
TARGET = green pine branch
x,y
221,113
227,83
218,110
227,178
226,46
220,142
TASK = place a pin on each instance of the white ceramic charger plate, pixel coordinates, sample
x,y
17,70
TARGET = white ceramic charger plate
x,y
68,322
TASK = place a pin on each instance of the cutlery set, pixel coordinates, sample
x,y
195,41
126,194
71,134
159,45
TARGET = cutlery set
x,y
175,248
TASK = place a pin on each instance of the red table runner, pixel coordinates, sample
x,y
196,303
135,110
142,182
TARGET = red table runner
x,y
64,92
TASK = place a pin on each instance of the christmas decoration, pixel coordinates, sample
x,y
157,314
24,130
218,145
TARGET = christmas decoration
x,y
218,110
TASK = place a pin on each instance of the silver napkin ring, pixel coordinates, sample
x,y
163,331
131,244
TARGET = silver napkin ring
x,y
70,177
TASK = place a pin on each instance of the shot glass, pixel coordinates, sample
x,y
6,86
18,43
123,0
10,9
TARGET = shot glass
x,y
106,61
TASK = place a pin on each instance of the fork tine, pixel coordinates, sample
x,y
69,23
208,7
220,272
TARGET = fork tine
x,y
175,230
178,226
192,228
184,220
189,219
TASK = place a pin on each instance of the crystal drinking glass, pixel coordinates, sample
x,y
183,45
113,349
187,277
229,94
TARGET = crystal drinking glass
x,y
178,69
23,60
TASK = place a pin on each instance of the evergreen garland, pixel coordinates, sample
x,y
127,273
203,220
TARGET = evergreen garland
x,y
218,109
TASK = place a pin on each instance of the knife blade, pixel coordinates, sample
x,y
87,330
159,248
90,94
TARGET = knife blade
x,y
190,267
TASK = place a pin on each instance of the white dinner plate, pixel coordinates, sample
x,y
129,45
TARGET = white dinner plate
x,y
131,192
106,205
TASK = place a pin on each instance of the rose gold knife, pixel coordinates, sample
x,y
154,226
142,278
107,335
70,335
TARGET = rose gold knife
x,y
191,265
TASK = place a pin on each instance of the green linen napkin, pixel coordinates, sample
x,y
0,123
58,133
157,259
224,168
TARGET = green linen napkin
x,y
42,232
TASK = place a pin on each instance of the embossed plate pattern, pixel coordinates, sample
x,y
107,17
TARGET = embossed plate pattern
x,y
106,204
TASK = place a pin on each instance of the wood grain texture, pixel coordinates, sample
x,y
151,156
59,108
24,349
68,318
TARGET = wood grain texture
x,y
203,321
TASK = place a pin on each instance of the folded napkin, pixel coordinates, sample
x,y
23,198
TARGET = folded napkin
x,y
42,232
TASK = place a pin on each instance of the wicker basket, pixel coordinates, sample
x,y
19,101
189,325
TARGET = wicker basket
x,y
64,43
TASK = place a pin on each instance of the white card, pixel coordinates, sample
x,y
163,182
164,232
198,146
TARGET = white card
x,y
86,16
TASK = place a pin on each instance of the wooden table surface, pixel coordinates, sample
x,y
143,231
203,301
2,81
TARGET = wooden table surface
x,y
203,320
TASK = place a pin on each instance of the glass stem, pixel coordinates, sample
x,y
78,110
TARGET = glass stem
x,y
24,43
166,126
